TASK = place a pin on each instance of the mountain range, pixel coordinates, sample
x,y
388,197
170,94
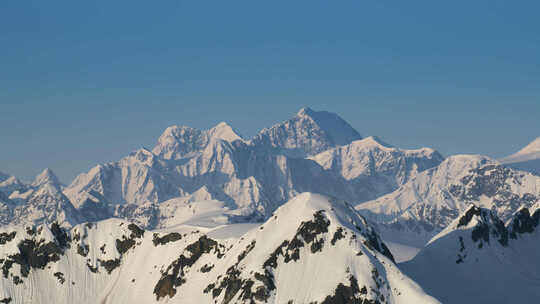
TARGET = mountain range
x,y
311,152
306,211
312,250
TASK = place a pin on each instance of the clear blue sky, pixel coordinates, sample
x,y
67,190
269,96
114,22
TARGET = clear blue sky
x,y
85,82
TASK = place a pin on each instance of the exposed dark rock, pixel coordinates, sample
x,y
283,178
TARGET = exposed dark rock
x,y
338,235
92,268
7,237
306,234
60,235
136,232
467,217
173,276
209,288
30,230
373,242
461,258
17,280
243,254
480,231
351,294
171,237
5,300
206,268
232,283
83,250
524,222
109,265
34,254
461,244
124,245
60,277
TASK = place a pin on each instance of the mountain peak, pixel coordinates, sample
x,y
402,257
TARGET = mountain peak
x,y
481,222
527,159
46,176
224,132
305,111
307,133
532,147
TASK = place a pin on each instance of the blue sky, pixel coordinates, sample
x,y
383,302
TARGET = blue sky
x,y
87,82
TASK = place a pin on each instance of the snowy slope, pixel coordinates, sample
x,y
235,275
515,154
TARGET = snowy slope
x,y
281,261
308,133
424,206
10,184
253,177
38,202
526,159
371,167
479,259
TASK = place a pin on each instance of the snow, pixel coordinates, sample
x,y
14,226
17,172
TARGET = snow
x,y
402,252
47,176
487,273
422,207
526,159
253,177
142,266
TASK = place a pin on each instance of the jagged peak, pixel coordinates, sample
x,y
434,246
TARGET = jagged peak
x,y
46,176
12,180
224,131
305,111
524,220
309,132
143,155
482,223
175,131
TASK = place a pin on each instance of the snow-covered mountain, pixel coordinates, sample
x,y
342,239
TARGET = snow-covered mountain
x,y
314,249
479,259
10,184
308,133
526,159
41,201
370,167
425,205
312,152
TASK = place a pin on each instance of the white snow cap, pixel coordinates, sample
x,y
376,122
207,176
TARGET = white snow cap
x,y
46,176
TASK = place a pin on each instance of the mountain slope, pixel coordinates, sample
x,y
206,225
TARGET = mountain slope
x,y
477,259
252,177
371,167
42,201
281,261
526,159
308,133
424,206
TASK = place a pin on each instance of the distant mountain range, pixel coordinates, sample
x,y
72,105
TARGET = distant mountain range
x,y
311,152
424,206
306,211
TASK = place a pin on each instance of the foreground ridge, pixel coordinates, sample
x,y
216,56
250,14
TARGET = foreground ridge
x,y
280,261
